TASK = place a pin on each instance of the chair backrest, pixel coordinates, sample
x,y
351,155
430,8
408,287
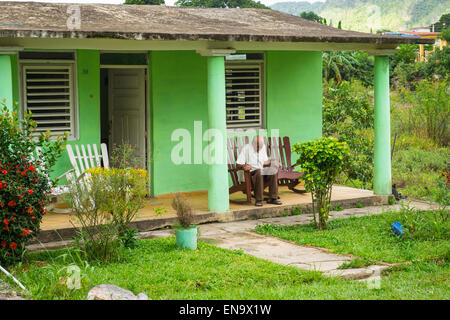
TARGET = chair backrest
x,y
234,147
83,160
280,150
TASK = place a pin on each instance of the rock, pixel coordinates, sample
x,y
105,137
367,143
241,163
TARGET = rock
x,y
112,292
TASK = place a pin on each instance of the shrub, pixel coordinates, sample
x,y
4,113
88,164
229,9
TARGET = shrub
x,y
123,156
105,203
24,182
425,225
431,109
96,234
442,194
348,115
438,64
321,161
185,212
124,194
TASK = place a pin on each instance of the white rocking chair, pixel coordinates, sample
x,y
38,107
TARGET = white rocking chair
x,y
81,161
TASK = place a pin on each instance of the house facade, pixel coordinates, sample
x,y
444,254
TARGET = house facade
x,y
152,75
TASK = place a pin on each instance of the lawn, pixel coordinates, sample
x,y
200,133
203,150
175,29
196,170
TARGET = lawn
x,y
425,246
162,271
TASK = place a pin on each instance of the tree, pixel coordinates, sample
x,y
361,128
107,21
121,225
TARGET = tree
x,y
151,2
321,161
443,23
338,65
312,16
445,34
221,4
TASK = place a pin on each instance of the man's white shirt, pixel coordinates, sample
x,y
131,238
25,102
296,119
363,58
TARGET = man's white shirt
x,y
250,156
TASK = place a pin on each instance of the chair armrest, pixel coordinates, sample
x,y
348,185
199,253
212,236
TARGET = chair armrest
x,y
65,174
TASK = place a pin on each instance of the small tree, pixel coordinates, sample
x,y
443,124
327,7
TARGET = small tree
x,y
24,182
321,161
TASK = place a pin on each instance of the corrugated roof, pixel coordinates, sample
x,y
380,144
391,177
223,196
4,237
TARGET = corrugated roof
x,y
143,22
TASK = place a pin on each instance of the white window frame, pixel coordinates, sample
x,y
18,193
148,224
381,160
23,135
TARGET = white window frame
x,y
261,93
25,64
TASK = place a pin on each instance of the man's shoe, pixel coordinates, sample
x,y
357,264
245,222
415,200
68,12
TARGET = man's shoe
x,y
259,203
274,201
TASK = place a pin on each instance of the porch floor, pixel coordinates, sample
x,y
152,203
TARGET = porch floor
x,y
199,200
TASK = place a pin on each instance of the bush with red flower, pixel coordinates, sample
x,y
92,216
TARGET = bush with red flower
x,y
24,182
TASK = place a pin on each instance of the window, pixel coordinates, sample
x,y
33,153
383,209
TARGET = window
x,y
48,90
244,90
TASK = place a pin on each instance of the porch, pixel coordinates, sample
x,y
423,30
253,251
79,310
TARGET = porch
x,y
57,226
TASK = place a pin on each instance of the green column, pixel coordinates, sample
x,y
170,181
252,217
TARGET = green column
x,y
382,151
6,81
218,197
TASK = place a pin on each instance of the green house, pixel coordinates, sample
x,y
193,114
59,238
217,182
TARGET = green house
x,y
112,73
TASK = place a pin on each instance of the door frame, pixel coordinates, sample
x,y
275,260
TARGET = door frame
x,y
146,110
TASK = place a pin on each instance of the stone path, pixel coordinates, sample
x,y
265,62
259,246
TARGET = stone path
x,y
239,235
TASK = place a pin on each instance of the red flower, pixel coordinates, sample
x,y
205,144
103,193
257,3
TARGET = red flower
x,y
12,203
6,228
4,172
2,185
31,168
13,245
3,244
30,210
25,232
30,191
6,221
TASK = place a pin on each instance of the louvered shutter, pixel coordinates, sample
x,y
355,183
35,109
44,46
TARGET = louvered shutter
x,y
48,94
244,94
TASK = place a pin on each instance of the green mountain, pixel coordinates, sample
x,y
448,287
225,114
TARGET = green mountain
x,y
367,15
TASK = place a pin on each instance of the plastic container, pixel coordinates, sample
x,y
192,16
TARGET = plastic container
x,y
187,238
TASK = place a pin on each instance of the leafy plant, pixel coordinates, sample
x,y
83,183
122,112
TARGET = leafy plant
x,y
321,161
24,181
96,234
425,225
442,195
124,194
431,109
348,115
105,203
185,212
123,156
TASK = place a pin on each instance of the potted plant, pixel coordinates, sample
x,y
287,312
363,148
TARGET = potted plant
x,y
186,234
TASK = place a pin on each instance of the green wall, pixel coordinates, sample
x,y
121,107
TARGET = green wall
x,y
178,98
88,83
294,94
9,81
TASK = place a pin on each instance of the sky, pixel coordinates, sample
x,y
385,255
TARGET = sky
x,y
168,2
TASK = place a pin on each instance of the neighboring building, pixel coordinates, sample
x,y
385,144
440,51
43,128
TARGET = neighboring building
x,y
425,33
138,73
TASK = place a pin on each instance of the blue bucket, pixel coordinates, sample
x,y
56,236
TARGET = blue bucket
x,y
187,238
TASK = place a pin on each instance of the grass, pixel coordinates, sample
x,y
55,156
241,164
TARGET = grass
x,y
426,248
368,237
162,271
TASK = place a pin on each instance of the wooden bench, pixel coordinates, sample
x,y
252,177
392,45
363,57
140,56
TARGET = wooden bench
x,y
277,148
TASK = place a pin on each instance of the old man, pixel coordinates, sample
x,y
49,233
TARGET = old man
x,y
263,171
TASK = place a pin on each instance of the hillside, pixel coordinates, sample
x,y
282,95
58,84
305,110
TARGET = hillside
x,y
367,15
